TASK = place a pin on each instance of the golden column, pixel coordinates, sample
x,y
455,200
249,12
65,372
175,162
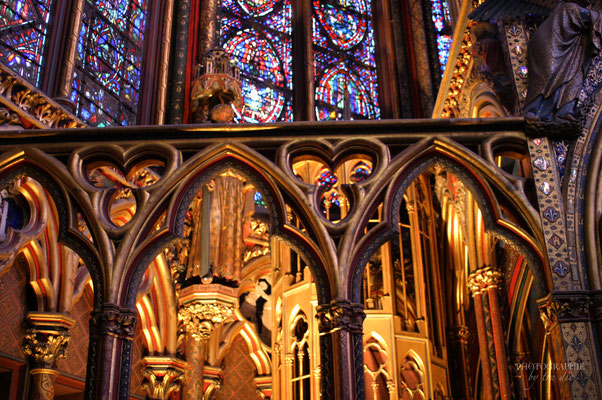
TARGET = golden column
x,y
202,308
485,284
45,342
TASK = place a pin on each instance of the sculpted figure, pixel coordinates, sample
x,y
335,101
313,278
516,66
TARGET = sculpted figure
x,y
559,54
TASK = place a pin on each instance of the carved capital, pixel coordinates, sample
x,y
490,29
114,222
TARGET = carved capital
x,y
341,314
44,348
114,321
485,278
202,307
46,339
162,376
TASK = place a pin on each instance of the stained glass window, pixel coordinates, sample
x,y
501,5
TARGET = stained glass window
x,y
442,22
344,60
257,36
109,61
23,32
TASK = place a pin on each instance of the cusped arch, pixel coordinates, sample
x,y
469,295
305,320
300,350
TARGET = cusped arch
x,y
277,190
478,176
68,200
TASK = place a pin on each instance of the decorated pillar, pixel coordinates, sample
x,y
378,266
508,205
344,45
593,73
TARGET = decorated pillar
x,y
485,284
208,27
65,86
480,316
162,376
112,331
340,324
45,342
202,308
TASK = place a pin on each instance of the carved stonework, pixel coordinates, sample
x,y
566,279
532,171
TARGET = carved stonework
x,y
113,320
46,338
162,376
484,279
549,311
24,105
341,314
203,307
45,348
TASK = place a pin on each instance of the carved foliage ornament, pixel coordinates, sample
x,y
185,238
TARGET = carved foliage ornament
x,y
198,319
45,347
22,98
114,321
341,314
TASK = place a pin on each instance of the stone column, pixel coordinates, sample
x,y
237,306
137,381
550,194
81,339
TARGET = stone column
x,y
484,284
46,340
208,27
112,331
162,376
68,69
340,324
477,296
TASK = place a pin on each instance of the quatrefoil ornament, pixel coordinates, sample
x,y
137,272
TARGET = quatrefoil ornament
x,y
120,180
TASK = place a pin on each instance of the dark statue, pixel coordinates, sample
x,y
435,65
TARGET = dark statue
x,y
559,54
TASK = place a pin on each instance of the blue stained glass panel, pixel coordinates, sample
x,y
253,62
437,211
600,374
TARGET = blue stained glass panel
x,y
109,61
344,24
344,60
442,23
23,32
257,36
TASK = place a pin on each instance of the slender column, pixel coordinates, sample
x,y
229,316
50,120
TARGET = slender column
x,y
208,27
340,324
162,376
487,281
482,337
112,331
458,340
45,342
67,72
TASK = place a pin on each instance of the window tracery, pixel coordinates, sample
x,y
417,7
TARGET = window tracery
x,y
301,370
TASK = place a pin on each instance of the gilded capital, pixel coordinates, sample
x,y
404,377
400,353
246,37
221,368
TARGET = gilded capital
x,y
44,348
162,376
484,279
